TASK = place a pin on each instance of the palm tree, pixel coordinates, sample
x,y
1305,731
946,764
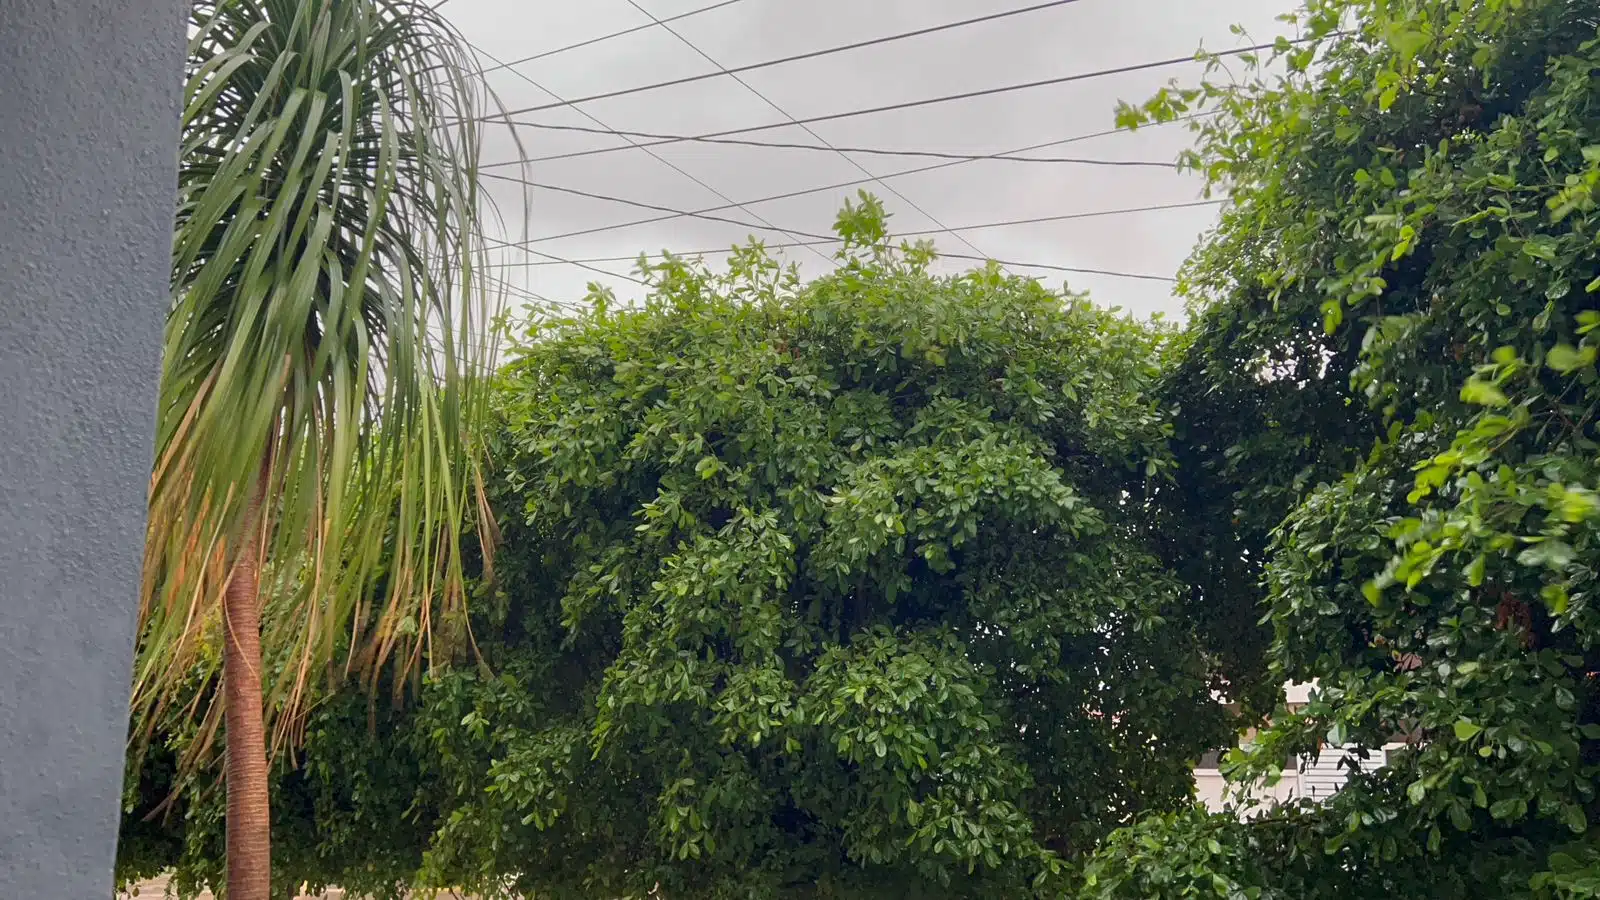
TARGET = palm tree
x,y
322,377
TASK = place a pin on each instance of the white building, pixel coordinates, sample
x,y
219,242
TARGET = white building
x,y
1314,778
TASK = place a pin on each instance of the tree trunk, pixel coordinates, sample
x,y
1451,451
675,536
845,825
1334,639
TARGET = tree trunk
x,y
249,823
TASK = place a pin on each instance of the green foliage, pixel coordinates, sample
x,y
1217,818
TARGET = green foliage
x,y
831,589
350,808
894,584
836,589
1424,196
318,395
1186,854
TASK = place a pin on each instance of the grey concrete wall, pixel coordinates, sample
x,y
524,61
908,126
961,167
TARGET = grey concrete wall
x,y
89,95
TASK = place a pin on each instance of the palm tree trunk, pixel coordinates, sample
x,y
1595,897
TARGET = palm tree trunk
x,y
249,823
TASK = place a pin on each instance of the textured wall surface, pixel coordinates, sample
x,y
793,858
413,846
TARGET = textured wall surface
x,y
88,135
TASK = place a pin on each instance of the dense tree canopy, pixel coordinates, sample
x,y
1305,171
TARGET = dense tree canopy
x,y
1415,224
829,589
826,589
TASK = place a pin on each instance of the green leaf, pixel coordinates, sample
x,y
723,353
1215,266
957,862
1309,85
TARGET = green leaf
x,y
1541,247
1508,808
1332,316
1465,730
1371,591
1565,358
707,467
1482,393
1550,553
1407,41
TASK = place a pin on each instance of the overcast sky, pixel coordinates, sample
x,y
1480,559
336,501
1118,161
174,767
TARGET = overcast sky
x,y
1072,38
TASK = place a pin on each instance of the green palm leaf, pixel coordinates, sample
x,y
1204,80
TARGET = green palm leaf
x,y
330,327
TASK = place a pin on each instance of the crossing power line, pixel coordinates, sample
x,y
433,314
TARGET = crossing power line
x,y
913,104
606,37
832,187
673,213
830,148
582,264
808,130
677,213
653,155
813,54
690,254
1067,217
804,239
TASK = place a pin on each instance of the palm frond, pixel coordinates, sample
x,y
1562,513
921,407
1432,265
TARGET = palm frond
x,y
330,325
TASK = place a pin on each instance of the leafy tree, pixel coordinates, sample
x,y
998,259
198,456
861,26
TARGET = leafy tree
x,y
834,589
1421,187
316,404
830,589
350,808
1262,413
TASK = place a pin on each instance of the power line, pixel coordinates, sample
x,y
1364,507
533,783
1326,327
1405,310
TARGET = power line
x,y
1066,217
829,148
525,294
912,104
550,259
534,264
583,265
673,213
518,290
689,79
614,34
656,156
808,130
840,185
1076,270
822,238
942,255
